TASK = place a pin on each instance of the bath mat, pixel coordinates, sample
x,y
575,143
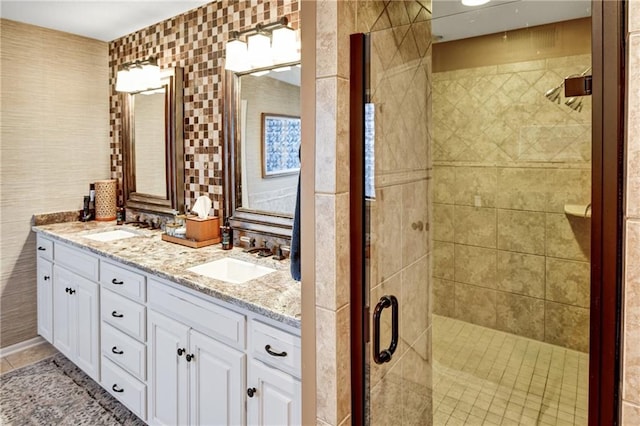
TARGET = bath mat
x,y
56,392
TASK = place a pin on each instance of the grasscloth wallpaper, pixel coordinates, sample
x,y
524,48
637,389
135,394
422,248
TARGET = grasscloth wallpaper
x,y
194,41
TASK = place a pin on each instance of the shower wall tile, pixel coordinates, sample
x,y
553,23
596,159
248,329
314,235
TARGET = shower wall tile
x,y
568,282
568,237
443,297
388,230
332,265
444,179
476,305
472,182
417,378
567,326
521,231
521,189
567,186
326,125
630,414
415,318
540,153
633,124
443,260
475,226
475,265
443,225
520,315
520,273
414,212
631,339
634,23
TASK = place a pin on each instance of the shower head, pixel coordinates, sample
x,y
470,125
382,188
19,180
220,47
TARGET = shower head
x,y
574,103
554,94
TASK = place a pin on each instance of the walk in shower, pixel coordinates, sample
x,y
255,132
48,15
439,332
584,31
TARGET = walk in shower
x,y
476,219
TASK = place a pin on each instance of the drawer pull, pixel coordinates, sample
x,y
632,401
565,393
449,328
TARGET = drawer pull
x,y
115,314
116,389
251,392
41,248
116,282
116,351
272,353
181,351
190,357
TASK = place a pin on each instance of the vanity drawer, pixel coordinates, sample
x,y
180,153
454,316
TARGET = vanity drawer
x,y
76,260
128,390
123,314
44,248
207,317
124,351
123,281
276,347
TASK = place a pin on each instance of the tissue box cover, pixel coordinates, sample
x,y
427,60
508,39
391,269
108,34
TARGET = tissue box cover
x,y
203,229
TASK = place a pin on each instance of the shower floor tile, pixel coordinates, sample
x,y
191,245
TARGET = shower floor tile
x,y
487,377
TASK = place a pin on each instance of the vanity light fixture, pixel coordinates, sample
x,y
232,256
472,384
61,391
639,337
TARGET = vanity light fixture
x,y
474,2
138,76
265,45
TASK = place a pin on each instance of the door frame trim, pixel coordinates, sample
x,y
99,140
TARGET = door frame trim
x,y
608,60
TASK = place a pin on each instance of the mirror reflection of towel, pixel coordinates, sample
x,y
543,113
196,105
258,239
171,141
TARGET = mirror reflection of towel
x,y
295,239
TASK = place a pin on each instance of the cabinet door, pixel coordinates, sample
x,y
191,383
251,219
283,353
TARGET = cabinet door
x,y
87,325
45,298
168,404
276,398
216,382
63,311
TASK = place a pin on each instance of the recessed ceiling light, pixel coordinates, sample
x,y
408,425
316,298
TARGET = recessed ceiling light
x,y
474,2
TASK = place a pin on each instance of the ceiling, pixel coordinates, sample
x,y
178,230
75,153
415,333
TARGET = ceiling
x,y
108,20
452,20
104,20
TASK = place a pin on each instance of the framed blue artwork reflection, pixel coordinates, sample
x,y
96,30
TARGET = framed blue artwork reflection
x,y
280,144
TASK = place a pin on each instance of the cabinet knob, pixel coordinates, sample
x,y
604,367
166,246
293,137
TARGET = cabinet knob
x,y
41,248
71,291
66,290
417,225
116,351
116,388
251,392
181,351
116,282
190,357
47,277
273,353
115,314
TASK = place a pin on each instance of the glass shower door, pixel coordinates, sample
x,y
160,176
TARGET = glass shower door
x,y
393,155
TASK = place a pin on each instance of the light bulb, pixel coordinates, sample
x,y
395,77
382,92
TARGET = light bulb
x,y
259,51
283,46
237,59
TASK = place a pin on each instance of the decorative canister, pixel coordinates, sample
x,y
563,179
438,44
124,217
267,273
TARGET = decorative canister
x,y
106,200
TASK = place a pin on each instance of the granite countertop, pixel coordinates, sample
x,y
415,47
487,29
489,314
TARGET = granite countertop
x,y
275,295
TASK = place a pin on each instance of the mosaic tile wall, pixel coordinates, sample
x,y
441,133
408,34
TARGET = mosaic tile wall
x,y
506,161
194,41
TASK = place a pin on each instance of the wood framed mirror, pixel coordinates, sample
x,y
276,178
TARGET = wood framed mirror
x,y
255,201
153,147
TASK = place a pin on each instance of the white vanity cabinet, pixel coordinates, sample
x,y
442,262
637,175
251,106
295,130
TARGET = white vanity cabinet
x,y
123,335
44,271
273,385
194,378
76,308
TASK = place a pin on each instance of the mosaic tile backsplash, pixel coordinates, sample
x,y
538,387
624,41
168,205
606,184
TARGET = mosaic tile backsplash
x,y
194,41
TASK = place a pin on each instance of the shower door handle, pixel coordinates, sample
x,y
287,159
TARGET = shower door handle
x,y
380,357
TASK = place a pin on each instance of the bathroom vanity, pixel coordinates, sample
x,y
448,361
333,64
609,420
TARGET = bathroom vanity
x,y
174,346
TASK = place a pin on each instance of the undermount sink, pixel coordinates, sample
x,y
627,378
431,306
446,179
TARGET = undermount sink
x,y
233,271
114,235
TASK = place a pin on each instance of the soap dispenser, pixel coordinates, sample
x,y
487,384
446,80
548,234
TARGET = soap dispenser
x,y
227,236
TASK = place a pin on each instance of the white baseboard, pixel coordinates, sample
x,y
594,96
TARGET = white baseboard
x,y
21,346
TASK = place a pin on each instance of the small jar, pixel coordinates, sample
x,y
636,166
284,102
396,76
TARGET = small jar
x,y
170,229
180,219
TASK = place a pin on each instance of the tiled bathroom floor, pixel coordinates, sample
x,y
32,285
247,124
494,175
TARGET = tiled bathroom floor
x,y
26,357
486,377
